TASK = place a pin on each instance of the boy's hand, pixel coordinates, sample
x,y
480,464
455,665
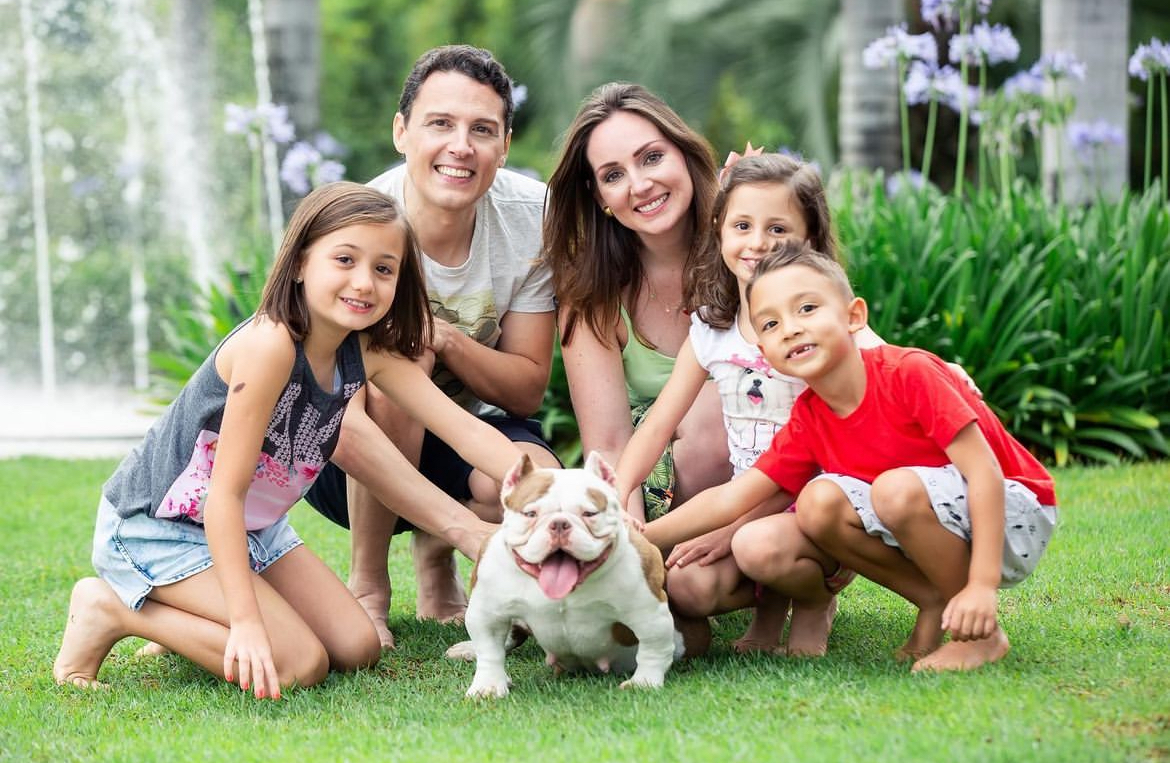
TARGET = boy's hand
x,y
971,613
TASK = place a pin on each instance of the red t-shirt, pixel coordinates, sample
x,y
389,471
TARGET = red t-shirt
x,y
913,407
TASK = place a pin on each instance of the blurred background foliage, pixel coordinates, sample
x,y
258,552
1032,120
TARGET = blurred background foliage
x,y
1057,310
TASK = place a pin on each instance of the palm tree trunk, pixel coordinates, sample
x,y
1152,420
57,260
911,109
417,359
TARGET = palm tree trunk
x,y
1097,33
293,30
868,127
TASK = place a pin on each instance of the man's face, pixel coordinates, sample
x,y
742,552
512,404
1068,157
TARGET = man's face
x,y
454,141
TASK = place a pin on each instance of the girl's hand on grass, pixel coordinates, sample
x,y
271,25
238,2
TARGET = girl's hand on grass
x,y
248,657
971,613
705,549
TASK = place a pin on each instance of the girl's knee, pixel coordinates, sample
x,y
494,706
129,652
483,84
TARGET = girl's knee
x,y
899,496
693,590
363,650
307,664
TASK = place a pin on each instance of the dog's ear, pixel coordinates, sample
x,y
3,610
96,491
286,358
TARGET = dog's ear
x,y
519,471
597,465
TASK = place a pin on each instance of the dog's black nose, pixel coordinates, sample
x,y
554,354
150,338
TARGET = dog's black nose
x,y
559,526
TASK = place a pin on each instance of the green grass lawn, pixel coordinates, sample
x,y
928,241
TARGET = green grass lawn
x,y
1088,677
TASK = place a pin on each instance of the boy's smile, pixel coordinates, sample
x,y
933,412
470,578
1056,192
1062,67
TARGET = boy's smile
x,y
804,323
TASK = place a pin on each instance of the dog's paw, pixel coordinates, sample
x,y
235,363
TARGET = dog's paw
x,y
488,690
461,651
643,681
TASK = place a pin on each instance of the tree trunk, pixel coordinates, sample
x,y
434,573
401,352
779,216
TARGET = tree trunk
x,y
1097,33
868,126
591,34
293,31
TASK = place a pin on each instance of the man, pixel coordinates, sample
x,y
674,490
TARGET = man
x,y
479,229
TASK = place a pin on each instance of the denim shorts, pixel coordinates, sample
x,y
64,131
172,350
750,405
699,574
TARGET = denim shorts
x,y
137,553
1027,528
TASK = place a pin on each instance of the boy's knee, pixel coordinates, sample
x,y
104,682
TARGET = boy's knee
x,y
756,556
898,496
820,509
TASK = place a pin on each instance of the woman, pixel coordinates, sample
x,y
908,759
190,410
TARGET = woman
x,y
628,211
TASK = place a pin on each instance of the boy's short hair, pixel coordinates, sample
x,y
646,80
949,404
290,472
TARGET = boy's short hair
x,y
791,252
472,62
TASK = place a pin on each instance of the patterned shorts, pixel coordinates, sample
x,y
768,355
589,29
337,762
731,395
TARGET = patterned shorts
x,y
658,489
1028,525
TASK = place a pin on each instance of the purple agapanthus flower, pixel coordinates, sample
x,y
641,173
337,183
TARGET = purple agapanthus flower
x,y
899,44
1026,82
1086,137
990,44
1151,58
1060,65
305,168
925,83
519,95
904,181
943,14
794,154
270,119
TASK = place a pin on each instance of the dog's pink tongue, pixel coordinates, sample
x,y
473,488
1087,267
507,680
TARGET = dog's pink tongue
x,y
558,575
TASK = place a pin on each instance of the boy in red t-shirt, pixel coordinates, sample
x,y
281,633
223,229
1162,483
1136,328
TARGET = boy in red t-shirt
x,y
902,473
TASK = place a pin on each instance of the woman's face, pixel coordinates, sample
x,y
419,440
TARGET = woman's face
x,y
639,174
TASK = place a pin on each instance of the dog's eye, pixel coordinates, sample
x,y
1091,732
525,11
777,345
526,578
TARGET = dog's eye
x,y
589,513
530,513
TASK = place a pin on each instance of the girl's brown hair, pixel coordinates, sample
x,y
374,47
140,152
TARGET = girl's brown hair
x,y
593,256
407,325
713,284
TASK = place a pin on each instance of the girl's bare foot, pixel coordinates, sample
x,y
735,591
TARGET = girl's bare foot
x,y
808,633
925,638
965,655
440,590
374,597
151,649
767,626
91,630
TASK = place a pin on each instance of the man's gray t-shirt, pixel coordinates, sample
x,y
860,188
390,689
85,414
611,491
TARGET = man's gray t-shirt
x,y
501,275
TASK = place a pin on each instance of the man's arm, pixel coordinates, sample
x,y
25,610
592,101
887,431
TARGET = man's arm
x,y
514,374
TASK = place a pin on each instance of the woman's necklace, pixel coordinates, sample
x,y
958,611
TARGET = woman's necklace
x,y
667,308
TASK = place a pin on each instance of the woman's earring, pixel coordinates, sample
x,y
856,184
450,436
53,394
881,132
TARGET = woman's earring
x,y
298,279
608,212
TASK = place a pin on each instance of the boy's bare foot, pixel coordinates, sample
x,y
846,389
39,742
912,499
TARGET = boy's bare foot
x,y
696,634
151,649
965,655
91,630
808,633
440,591
925,638
767,626
374,597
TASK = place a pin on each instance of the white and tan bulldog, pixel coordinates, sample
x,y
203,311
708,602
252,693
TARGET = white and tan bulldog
x,y
566,567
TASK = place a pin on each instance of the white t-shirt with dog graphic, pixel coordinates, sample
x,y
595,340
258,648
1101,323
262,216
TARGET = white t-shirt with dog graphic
x,y
756,399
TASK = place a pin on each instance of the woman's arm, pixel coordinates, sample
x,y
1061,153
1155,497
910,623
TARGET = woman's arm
x,y
654,433
256,363
478,443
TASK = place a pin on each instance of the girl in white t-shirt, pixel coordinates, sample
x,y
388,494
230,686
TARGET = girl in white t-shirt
x,y
764,199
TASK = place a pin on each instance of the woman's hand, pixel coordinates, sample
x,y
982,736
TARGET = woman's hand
x,y
248,657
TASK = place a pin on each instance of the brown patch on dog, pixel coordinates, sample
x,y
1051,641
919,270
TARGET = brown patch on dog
x,y
528,489
623,635
597,498
652,566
